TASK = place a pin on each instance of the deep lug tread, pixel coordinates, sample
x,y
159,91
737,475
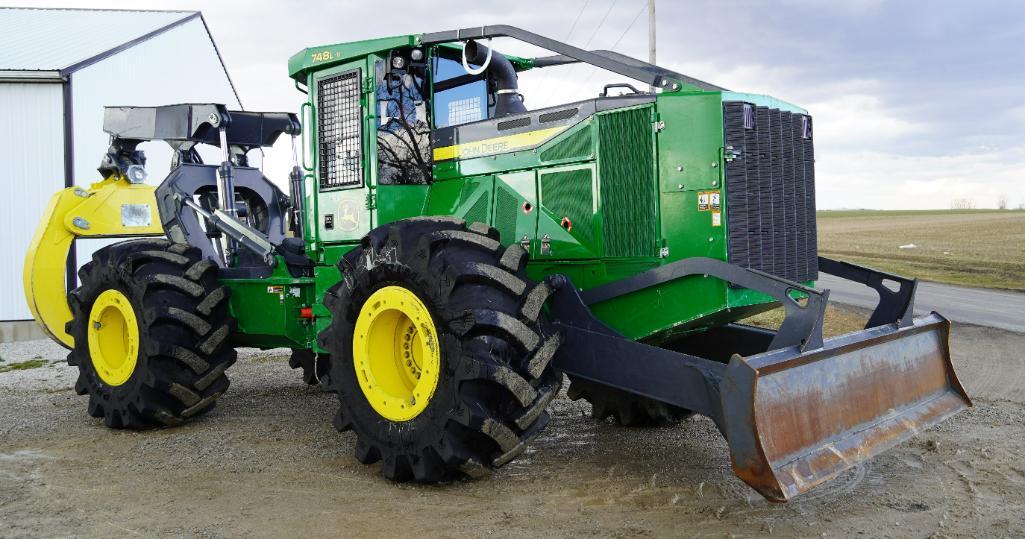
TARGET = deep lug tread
x,y
212,300
215,374
525,440
545,396
468,238
508,324
543,356
149,255
179,283
366,453
182,358
197,270
477,272
215,339
506,377
514,258
494,336
183,394
535,301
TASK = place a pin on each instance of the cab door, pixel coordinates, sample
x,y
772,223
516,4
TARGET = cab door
x,y
342,163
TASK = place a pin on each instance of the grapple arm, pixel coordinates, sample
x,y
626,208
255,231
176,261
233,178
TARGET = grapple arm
x,y
111,208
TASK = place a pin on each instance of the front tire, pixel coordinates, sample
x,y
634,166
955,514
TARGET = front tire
x,y
438,280
151,330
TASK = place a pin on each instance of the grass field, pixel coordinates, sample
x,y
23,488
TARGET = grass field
x,y
969,247
840,319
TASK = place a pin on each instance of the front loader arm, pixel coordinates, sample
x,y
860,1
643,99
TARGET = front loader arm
x,y
111,208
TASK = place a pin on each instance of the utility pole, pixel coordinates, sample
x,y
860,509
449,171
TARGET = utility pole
x,y
651,35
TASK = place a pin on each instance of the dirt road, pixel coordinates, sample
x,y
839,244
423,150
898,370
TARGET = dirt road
x,y
268,463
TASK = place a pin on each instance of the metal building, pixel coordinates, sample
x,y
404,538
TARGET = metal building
x,y
58,69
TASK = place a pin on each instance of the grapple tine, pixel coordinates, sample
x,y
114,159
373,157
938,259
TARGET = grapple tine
x,y
795,420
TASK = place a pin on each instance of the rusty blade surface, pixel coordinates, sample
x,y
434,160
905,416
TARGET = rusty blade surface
x,y
797,420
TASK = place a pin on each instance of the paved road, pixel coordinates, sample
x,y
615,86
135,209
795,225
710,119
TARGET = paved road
x,y
993,308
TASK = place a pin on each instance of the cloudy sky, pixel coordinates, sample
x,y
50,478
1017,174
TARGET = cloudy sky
x,y
915,103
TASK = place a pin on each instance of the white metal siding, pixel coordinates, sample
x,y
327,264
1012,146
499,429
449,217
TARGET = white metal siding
x,y
179,66
31,171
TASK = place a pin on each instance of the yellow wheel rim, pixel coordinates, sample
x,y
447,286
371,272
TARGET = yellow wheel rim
x,y
113,337
396,353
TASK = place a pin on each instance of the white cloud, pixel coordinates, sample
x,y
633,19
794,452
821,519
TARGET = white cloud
x,y
849,120
859,179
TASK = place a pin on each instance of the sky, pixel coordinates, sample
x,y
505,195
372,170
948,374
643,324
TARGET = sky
x,y
916,103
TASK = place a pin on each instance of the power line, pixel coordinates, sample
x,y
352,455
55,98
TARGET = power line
x,y
644,8
600,24
576,20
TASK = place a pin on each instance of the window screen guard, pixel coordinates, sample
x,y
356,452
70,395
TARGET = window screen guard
x,y
340,137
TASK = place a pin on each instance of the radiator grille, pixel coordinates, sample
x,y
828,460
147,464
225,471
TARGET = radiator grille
x,y
770,191
627,182
338,122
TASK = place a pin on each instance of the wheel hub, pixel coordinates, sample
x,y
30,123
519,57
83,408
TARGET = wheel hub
x,y
113,337
396,353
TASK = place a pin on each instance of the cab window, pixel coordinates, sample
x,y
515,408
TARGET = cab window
x,y
459,104
403,128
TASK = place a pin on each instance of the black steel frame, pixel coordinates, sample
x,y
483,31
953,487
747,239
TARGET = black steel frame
x,y
593,351
649,74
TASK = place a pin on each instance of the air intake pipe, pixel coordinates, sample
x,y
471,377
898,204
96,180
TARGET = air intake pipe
x,y
502,79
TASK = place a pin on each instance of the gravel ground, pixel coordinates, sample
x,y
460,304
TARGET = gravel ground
x,y
267,462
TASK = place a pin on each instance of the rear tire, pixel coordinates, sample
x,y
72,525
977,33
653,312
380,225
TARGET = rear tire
x,y
624,408
182,339
495,377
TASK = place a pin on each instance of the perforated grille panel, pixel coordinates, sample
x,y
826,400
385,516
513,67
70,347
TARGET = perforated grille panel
x,y
338,122
570,194
627,182
574,146
478,212
506,208
770,191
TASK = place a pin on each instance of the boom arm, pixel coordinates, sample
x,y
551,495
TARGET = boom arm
x,y
649,74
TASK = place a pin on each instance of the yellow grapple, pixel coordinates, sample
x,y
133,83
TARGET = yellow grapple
x,y
111,208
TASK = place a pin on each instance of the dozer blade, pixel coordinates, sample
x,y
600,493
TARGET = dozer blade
x,y
113,207
794,420
796,409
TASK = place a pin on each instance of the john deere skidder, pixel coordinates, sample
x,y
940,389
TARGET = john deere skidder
x,y
445,255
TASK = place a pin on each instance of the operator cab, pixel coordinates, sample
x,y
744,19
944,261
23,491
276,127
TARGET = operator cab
x,y
431,101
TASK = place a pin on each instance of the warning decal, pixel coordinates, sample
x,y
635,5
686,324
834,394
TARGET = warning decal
x,y
708,200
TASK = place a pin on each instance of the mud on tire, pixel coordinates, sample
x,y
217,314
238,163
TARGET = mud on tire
x,y
496,348
184,330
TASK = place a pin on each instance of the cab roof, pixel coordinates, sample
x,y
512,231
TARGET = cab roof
x,y
311,59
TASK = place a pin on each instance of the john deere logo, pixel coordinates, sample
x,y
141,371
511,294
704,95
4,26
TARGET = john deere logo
x,y
348,216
